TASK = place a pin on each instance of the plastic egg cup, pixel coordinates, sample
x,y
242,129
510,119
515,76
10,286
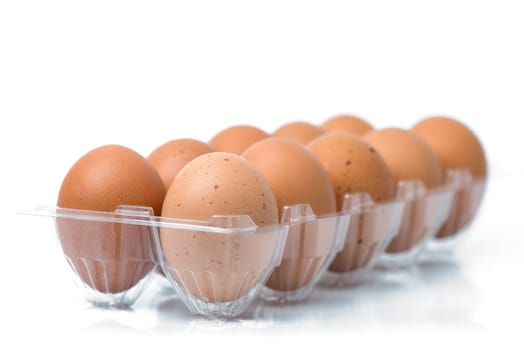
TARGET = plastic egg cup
x,y
468,193
217,267
423,216
311,245
112,255
370,230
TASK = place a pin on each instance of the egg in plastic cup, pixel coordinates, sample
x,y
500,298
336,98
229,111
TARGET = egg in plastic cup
x,y
468,193
112,255
370,230
424,214
218,266
311,245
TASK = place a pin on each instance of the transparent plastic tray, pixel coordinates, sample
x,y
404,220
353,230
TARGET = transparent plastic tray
x,y
370,230
424,214
468,193
217,267
311,245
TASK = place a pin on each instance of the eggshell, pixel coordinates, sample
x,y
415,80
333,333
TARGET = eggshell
x,y
220,183
455,145
301,132
407,155
110,258
353,166
295,175
170,157
109,176
347,123
218,267
236,139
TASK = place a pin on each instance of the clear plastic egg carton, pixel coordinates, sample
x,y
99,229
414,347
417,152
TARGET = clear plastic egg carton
x,y
217,267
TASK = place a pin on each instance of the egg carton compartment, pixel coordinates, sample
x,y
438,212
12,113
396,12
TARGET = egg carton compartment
x,y
468,193
311,245
219,266
112,255
371,228
424,214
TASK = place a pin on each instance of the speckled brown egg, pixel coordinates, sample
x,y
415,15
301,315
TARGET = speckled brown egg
x,y
109,257
295,175
353,165
455,145
220,183
347,123
170,157
236,139
407,155
301,132
210,266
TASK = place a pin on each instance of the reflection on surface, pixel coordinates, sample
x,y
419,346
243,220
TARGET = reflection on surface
x,y
435,293
456,299
110,320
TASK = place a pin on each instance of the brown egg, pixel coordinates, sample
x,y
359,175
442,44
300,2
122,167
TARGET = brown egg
x,y
210,266
170,157
455,145
347,123
353,165
236,139
299,131
221,183
109,257
295,175
109,176
407,155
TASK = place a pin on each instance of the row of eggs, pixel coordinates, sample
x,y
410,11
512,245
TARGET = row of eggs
x,y
300,172
338,161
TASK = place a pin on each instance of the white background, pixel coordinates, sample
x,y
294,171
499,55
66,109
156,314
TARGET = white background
x,y
77,75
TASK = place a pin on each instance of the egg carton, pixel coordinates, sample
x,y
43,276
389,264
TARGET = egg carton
x,y
217,267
